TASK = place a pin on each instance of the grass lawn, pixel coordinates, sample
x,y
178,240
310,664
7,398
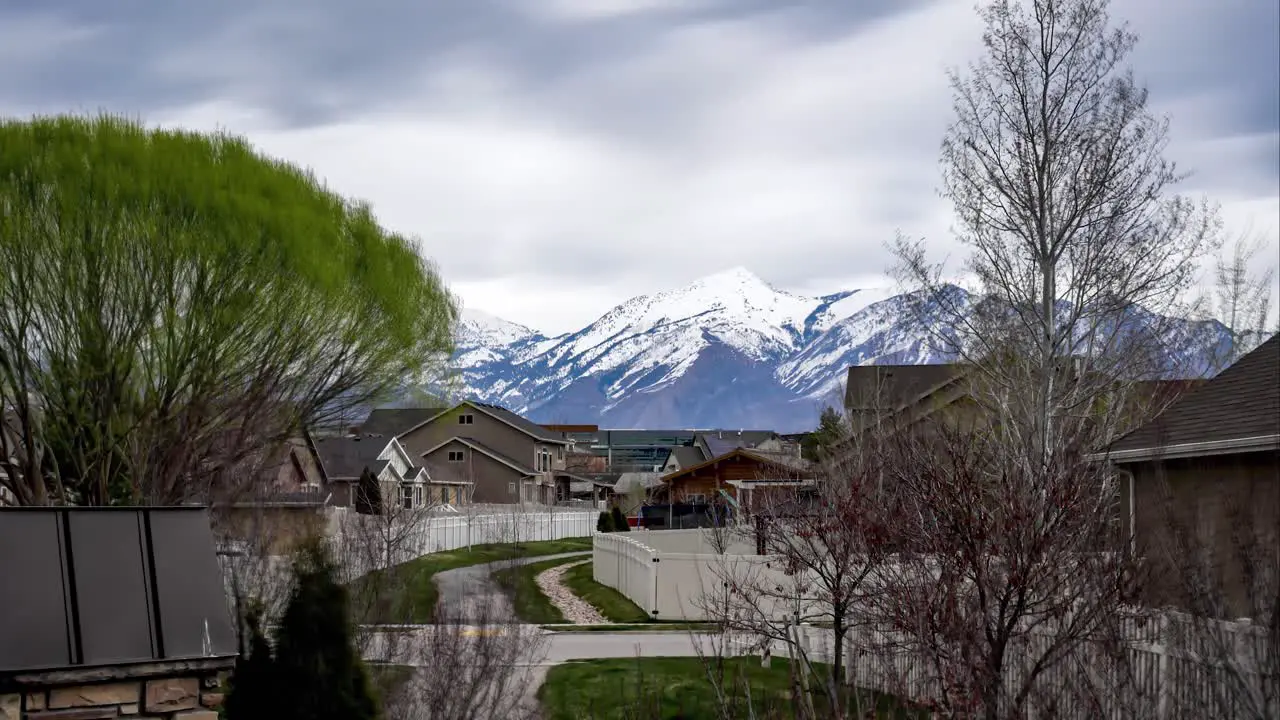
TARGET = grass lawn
x,y
407,593
613,605
530,604
676,688
388,679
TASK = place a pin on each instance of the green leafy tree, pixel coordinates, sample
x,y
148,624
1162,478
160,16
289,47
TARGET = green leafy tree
x,y
253,684
176,305
604,523
620,523
319,675
831,430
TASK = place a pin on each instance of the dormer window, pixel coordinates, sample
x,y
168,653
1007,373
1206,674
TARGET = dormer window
x,y
455,456
466,419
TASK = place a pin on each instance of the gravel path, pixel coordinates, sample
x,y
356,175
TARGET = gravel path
x,y
575,609
470,593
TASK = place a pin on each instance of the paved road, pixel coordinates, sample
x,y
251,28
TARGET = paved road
x,y
470,594
538,650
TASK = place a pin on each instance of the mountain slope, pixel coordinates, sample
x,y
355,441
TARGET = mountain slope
x,y
727,350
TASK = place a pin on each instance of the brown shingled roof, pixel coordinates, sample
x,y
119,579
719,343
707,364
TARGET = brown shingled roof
x,y
898,385
1242,402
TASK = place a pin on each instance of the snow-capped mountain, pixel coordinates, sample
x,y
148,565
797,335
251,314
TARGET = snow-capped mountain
x,y
727,350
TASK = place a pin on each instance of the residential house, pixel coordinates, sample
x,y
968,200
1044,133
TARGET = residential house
x,y
504,457
401,482
748,477
684,457
1208,465
714,443
905,393
903,396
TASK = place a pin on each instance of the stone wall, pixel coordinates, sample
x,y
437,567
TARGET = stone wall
x,y
194,696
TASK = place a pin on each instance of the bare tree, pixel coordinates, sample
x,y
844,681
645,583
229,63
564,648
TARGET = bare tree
x,y
1005,586
1056,171
1082,257
1241,298
466,666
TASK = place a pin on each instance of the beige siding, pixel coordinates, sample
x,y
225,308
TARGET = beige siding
x,y
485,429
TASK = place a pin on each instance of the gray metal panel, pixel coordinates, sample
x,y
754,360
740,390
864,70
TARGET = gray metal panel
x,y
193,610
33,607
108,556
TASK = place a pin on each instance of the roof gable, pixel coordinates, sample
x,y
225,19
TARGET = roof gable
x,y
894,387
346,457
502,415
769,459
487,451
1240,403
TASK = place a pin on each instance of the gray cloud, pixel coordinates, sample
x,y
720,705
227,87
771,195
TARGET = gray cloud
x,y
622,146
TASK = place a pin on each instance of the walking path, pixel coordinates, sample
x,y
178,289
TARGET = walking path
x,y
575,609
470,593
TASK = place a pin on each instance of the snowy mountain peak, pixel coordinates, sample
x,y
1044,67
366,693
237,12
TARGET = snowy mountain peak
x,y
734,278
724,350
479,327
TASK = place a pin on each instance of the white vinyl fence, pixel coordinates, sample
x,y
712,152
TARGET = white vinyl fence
x,y
1172,666
362,543
1160,676
647,567
369,542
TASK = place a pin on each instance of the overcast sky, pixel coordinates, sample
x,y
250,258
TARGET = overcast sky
x,y
559,156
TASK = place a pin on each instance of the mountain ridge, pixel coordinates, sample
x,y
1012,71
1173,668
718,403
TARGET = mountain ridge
x,y
725,350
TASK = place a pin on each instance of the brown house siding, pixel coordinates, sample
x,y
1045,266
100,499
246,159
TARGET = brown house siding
x,y
487,430
491,478
711,479
1216,497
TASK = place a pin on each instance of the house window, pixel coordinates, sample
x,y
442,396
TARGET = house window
x,y
695,498
455,456
406,496
511,488
466,419
417,496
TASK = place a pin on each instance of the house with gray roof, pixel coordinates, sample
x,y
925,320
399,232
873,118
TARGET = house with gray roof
x,y
503,457
348,462
1206,471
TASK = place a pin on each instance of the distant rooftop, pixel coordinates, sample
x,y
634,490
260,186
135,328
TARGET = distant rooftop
x,y
396,421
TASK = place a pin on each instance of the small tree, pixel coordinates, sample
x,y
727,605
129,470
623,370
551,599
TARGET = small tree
x,y
620,523
604,523
253,692
319,675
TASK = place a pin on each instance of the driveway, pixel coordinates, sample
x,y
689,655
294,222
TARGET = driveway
x,y
470,594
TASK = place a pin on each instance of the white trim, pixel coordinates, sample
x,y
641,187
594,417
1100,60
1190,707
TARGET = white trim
x,y
482,451
742,484
474,406
1194,449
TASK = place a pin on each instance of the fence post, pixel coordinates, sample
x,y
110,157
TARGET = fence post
x,y
1162,669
